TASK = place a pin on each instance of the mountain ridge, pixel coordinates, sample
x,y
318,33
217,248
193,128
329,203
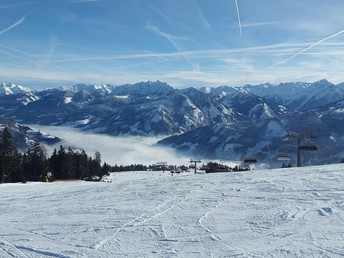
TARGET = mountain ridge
x,y
194,121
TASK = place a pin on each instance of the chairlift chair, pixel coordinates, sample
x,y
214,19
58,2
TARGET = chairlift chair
x,y
250,160
204,167
307,148
283,157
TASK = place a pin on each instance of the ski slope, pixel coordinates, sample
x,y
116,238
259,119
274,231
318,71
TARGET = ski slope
x,y
293,212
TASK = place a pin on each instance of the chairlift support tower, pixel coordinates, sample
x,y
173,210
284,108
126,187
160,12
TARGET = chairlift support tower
x,y
300,147
195,161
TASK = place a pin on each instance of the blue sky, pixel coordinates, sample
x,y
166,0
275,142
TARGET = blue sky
x,y
48,43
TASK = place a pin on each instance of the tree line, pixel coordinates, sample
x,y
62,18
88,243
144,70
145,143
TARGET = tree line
x,y
35,165
132,167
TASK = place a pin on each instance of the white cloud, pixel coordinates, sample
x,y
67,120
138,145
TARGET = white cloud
x,y
237,66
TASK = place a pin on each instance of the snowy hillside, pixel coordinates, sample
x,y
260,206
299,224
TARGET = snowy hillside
x,y
195,121
23,136
294,212
10,88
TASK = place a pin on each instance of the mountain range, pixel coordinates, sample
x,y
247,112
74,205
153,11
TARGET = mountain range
x,y
212,122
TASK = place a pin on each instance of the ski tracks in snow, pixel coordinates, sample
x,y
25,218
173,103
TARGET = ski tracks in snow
x,y
147,216
208,223
274,213
10,250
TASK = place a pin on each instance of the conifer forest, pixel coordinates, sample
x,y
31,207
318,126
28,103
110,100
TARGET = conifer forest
x,y
35,165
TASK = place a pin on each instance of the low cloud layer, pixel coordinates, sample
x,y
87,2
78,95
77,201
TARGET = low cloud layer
x,y
115,150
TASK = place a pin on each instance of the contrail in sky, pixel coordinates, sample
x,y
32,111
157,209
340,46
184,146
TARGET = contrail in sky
x,y
238,13
84,1
172,40
307,48
13,25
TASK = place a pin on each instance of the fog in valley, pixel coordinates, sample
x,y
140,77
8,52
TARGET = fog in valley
x,y
121,150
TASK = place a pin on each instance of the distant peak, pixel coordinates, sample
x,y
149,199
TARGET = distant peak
x,y
88,87
11,88
156,88
322,82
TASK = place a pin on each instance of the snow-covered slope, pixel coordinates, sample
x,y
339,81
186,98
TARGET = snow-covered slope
x,y
22,135
94,89
8,89
293,212
13,95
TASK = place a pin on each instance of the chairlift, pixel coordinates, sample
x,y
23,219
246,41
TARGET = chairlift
x,y
307,148
204,167
283,157
309,136
250,160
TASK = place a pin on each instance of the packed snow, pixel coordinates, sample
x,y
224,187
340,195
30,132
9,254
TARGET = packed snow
x,y
292,212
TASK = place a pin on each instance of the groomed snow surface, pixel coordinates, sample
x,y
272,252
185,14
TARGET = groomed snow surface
x,y
292,212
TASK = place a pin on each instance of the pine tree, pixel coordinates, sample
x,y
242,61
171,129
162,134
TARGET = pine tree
x,y
9,157
22,173
61,172
37,162
84,165
80,165
70,164
105,169
95,164
53,163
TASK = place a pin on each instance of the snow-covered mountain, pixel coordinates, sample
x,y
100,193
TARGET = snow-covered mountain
x,y
223,122
8,89
263,139
299,96
144,89
22,135
94,89
146,108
